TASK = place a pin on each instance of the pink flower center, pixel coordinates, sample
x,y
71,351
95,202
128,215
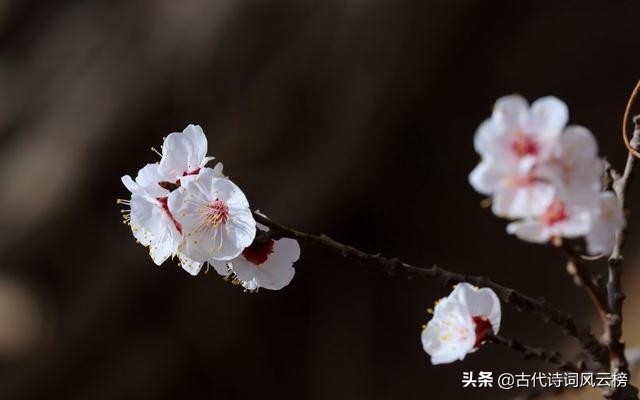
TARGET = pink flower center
x,y
164,203
523,145
556,212
483,328
217,213
258,253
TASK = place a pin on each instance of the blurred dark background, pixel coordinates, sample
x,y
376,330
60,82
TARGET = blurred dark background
x,y
353,118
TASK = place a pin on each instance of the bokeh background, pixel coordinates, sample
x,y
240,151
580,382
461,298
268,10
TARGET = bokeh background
x,y
353,118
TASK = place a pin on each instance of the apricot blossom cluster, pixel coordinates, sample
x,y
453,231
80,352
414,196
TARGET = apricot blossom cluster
x,y
545,175
181,208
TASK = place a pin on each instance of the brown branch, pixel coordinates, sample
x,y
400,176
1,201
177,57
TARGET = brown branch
x,y
613,324
529,352
582,278
395,266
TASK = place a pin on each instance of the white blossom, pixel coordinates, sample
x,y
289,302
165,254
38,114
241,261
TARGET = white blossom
x,y
545,175
516,131
266,263
216,220
512,143
461,323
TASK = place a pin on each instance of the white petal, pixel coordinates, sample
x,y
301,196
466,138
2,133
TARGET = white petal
x,y
450,334
530,230
162,249
149,178
579,168
241,227
221,267
226,244
547,117
524,201
479,302
184,152
275,273
217,169
486,177
230,193
578,224
189,265
174,161
196,147
512,111
153,227
600,240
490,138
432,344
144,218
577,184
577,143
130,184
181,204
147,213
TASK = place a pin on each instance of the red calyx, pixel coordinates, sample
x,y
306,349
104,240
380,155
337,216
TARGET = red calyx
x,y
483,328
258,253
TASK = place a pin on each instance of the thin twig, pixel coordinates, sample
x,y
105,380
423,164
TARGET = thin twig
x,y
529,352
633,150
582,278
392,266
613,325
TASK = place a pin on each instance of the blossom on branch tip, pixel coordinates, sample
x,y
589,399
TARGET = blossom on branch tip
x,y
266,263
461,323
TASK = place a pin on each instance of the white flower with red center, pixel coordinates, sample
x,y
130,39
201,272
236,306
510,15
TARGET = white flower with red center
x,y
184,153
217,223
512,143
266,263
607,218
151,221
461,323
558,220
